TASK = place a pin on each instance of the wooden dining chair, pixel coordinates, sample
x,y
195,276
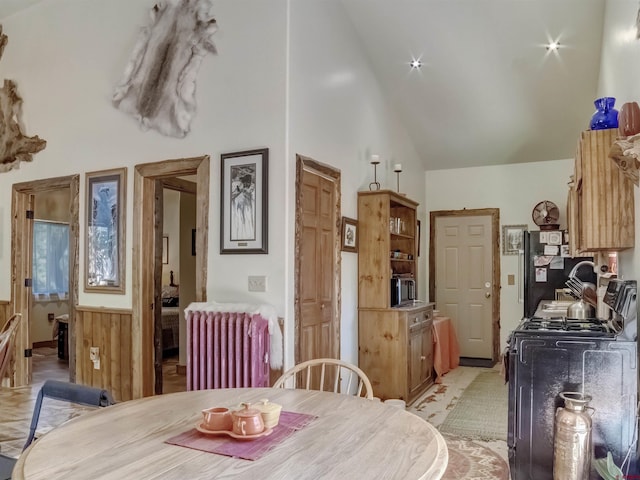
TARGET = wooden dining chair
x,y
69,392
327,374
7,343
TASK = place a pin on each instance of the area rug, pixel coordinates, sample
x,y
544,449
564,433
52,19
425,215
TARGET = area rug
x,y
470,461
481,411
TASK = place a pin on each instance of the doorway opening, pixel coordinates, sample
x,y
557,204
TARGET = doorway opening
x,y
150,182
45,285
178,276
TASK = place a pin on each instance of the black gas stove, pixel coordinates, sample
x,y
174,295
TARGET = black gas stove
x,y
562,326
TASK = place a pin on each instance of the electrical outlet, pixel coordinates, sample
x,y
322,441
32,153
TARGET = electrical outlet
x,y
257,283
94,354
96,364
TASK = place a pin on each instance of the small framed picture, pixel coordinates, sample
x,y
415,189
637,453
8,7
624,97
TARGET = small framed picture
x,y
513,239
105,231
349,235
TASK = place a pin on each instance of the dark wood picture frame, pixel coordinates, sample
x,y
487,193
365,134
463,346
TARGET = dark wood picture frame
x,y
244,201
349,235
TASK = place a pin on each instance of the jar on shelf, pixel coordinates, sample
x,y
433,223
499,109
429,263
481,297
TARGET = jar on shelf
x,y
605,115
629,119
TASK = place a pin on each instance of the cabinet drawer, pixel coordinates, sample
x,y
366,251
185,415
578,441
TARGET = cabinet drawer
x,y
420,318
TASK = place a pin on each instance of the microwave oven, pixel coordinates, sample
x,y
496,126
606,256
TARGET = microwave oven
x,y
403,291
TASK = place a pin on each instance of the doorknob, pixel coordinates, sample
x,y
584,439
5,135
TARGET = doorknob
x,y
487,294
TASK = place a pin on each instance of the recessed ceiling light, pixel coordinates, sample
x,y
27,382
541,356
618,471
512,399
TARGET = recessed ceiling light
x,y
415,63
553,46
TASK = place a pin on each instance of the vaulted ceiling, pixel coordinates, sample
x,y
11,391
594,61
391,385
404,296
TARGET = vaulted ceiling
x,y
488,92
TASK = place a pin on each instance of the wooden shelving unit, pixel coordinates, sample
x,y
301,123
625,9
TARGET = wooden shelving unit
x,y
395,344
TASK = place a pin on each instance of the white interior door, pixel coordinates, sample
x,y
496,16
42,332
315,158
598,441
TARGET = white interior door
x,y
464,273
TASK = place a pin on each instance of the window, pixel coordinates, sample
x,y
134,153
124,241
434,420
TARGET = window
x,y
50,258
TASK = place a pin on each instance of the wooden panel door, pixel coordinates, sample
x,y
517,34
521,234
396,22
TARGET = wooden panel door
x,y
317,291
464,276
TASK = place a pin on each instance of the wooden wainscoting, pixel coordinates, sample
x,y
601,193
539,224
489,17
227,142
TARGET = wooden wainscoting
x,y
5,311
110,331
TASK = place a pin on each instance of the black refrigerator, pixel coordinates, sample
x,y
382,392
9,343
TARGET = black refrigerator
x,y
545,272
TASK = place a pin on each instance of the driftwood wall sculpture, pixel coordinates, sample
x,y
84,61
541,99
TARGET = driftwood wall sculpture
x,y
15,147
159,83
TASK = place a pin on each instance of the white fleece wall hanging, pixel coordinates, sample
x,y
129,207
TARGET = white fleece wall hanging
x,y
159,83
15,147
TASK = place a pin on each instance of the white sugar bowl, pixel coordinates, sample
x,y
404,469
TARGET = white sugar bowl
x,y
270,412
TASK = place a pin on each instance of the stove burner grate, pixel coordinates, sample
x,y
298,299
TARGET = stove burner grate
x,y
560,325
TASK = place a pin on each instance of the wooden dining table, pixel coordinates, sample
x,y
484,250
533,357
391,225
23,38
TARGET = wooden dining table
x,y
350,437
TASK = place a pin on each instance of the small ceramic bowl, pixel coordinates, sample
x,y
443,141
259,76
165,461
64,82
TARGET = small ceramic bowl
x,y
270,412
217,419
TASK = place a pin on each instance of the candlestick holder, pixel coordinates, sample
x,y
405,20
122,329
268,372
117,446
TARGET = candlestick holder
x,y
397,170
375,161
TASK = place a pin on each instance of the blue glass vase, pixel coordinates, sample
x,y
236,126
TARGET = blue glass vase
x,y
606,116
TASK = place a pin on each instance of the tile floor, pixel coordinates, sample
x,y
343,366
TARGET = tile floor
x,y
16,405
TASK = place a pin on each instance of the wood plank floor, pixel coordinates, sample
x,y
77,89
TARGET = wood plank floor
x,y
16,404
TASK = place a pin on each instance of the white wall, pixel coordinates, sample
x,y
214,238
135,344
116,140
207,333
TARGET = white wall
x,y
514,189
68,55
337,116
171,229
619,74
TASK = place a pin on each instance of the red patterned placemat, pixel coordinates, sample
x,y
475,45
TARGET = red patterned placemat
x,y
247,449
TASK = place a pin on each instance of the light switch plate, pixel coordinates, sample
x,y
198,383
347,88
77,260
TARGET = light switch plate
x,y
257,283
511,279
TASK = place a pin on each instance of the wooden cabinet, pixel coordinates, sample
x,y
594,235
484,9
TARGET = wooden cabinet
x,y
600,206
387,245
420,351
395,344
396,350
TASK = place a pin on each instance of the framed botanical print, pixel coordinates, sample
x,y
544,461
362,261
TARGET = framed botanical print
x,y
105,229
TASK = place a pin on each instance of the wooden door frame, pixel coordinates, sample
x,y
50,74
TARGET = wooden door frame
x,y
148,183
305,163
494,213
21,266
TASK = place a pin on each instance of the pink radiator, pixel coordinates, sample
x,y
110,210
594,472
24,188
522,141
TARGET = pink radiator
x,y
227,350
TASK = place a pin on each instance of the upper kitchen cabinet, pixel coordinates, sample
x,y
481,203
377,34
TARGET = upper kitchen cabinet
x,y
387,245
600,207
